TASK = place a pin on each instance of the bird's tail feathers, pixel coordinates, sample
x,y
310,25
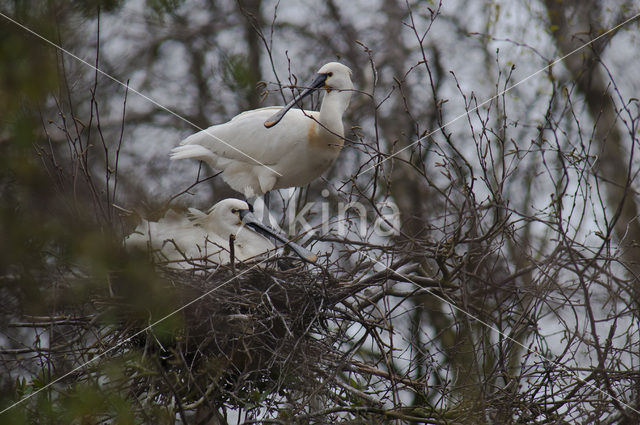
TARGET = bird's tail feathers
x,y
197,216
193,152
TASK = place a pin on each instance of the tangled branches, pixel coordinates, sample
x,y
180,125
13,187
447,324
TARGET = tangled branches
x,y
506,292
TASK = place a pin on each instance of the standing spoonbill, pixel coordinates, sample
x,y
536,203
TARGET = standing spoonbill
x,y
184,243
257,156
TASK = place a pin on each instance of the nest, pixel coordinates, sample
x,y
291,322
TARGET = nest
x,y
241,333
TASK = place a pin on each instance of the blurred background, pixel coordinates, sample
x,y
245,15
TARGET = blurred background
x,y
509,292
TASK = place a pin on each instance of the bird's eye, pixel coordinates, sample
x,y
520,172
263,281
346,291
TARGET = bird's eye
x,y
235,211
330,74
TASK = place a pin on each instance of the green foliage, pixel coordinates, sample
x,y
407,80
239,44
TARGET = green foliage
x,y
238,75
28,73
54,254
236,72
88,402
85,402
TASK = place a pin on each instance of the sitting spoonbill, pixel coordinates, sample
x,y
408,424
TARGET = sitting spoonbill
x,y
256,156
185,243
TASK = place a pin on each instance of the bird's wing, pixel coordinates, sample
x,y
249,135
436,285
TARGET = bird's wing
x,y
183,238
177,240
250,244
246,139
197,216
270,109
139,238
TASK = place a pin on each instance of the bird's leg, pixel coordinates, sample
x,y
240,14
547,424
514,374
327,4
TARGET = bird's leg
x,y
251,200
257,205
263,203
232,252
265,212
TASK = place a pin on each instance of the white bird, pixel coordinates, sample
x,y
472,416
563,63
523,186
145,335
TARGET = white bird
x,y
204,239
257,157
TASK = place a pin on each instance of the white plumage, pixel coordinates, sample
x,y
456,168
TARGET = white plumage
x,y
257,156
203,239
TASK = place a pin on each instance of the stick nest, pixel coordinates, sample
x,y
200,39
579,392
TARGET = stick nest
x,y
241,333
